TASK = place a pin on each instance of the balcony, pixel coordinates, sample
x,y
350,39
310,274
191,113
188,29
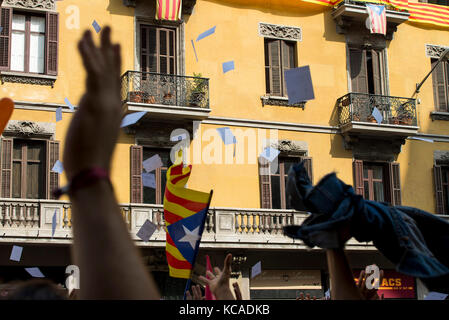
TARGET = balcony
x,y
30,221
166,95
355,114
350,14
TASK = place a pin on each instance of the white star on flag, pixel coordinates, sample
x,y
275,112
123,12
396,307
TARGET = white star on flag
x,y
191,236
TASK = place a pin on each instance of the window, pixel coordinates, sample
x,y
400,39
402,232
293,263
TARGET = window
x,y
140,193
378,181
273,185
440,79
29,42
280,55
441,181
26,168
158,49
367,70
156,196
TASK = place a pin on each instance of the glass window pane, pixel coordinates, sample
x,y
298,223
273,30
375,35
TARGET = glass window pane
x,y
37,53
17,51
35,151
18,22
164,154
444,175
149,195
275,192
366,190
163,42
37,24
378,191
377,172
289,163
163,183
16,180
34,180
365,172
446,199
17,150
172,43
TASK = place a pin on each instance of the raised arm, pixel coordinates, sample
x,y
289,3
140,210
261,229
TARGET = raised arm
x,y
110,264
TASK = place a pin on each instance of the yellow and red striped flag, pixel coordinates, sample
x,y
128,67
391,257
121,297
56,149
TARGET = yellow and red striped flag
x,y
419,12
168,10
185,212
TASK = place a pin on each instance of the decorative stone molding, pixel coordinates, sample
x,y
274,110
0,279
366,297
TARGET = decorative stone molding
x,y
441,157
371,148
31,4
433,51
439,116
280,101
275,31
290,147
41,80
29,128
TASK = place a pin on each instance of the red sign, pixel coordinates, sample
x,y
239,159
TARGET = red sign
x,y
395,285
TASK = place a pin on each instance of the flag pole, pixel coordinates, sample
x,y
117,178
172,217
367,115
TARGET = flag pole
x,y
197,247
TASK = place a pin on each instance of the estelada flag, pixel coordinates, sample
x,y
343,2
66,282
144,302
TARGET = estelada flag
x,y
185,212
168,10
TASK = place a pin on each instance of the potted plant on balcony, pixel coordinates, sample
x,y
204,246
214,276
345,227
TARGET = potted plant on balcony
x,y
198,92
405,115
138,96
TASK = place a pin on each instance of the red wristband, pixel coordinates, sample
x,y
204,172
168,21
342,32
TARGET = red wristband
x,y
83,179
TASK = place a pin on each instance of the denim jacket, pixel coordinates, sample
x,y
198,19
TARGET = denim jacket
x,y
417,242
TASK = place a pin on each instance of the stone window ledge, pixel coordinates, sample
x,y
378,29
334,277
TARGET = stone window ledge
x,y
27,78
437,115
268,100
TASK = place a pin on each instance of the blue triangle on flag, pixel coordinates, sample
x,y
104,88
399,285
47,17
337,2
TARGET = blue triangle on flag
x,y
183,233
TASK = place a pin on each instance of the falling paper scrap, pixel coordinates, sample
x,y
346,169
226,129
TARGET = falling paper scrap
x,y
59,114
228,66
299,85
149,180
436,296
58,167
53,224
146,231
72,107
132,118
377,115
206,34
35,272
256,269
327,295
226,135
194,50
16,253
96,26
422,139
152,163
270,154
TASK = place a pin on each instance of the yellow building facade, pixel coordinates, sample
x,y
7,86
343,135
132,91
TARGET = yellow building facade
x,y
352,73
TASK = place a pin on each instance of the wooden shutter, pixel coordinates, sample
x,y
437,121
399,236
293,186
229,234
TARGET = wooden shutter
x,y
274,50
6,165
359,187
359,78
288,62
308,167
377,78
52,43
395,183
52,177
265,183
5,38
136,174
439,195
439,86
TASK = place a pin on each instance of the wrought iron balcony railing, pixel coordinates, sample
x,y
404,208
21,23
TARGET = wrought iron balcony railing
x,y
359,107
363,3
165,89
